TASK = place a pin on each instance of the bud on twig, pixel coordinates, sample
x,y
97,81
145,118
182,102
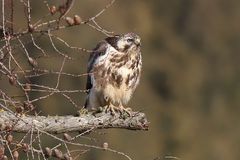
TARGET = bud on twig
x,y
28,106
9,138
67,137
77,20
25,147
15,155
31,28
47,152
105,145
12,80
4,157
57,153
69,21
53,10
19,109
27,87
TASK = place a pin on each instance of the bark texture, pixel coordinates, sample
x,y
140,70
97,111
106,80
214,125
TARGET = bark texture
x,y
61,124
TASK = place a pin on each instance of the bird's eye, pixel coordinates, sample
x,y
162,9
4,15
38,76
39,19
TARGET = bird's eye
x,y
129,40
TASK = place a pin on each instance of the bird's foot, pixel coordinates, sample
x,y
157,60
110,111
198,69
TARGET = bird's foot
x,y
82,111
112,109
125,110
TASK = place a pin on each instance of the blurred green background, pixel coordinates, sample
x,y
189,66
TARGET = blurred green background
x,y
190,84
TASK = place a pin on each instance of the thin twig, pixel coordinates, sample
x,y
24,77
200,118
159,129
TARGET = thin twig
x,y
38,47
55,48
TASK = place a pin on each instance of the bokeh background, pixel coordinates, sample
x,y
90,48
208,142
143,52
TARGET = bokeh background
x,y
190,84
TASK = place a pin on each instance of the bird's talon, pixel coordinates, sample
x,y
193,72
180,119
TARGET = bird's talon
x,y
82,112
125,110
111,108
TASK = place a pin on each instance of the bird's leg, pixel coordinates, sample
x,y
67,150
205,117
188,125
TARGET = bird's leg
x,y
110,107
113,109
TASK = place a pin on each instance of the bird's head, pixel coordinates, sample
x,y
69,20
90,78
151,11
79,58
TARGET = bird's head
x,y
125,43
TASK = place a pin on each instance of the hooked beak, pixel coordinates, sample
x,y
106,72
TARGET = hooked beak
x,y
137,42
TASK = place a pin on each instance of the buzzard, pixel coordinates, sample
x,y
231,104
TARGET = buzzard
x,y
114,69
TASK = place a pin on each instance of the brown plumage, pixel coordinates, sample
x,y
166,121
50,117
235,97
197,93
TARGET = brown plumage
x,y
114,69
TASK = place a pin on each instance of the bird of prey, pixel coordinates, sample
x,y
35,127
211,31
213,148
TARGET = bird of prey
x,y
114,70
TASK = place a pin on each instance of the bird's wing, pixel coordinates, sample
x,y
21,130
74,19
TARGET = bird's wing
x,y
98,51
113,40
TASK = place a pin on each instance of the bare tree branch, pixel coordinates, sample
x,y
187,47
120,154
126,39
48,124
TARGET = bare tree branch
x,y
26,78
61,124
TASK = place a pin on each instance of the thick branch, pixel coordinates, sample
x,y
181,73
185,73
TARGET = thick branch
x,y
61,124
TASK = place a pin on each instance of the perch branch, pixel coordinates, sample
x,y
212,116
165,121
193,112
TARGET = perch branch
x,y
61,124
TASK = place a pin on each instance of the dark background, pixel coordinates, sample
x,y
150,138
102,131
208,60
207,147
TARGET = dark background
x,y
189,88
